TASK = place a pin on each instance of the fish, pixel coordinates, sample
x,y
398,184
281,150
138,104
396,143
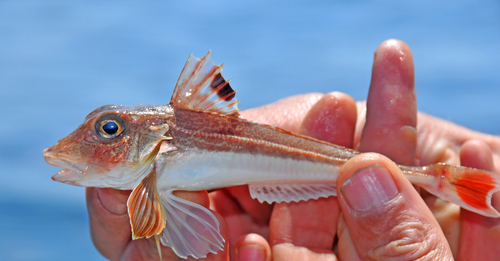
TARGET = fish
x,y
198,142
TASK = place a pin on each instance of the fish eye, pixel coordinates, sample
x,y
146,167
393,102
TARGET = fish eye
x,y
109,127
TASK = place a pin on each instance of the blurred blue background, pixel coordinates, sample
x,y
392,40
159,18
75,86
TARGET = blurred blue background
x,y
61,59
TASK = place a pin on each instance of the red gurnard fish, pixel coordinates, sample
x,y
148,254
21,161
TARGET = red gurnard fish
x,y
197,142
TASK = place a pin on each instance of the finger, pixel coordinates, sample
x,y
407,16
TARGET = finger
x,y
385,216
287,113
260,212
332,119
143,249
479,235
438,139
252,247
109,221
110,224
345,247
238,220
391,116
305,228
302,230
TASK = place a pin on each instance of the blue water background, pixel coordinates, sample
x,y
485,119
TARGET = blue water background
x,y
61,59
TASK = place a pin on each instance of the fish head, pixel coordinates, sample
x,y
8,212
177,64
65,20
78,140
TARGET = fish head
x,y
113,147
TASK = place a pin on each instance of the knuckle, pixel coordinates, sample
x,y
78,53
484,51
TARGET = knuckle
x,y
413,240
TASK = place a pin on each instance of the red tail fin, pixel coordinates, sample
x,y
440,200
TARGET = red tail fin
x,y
470,188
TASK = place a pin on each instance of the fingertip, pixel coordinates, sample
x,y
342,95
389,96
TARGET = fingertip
x,y
476,154
393,63
331,119
394,51
366,183
252,247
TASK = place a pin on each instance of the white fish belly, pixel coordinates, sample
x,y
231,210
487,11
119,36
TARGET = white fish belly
x,y
197,169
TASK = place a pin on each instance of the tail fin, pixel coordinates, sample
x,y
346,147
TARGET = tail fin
x,y
469,188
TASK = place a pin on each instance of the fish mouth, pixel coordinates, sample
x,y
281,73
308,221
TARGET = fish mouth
x,y
71,173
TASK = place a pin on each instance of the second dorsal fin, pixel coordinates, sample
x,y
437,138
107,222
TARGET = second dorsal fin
x,y
202,87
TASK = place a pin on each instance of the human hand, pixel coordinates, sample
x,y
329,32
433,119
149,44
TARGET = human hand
x,y
329,117
111,232
389,129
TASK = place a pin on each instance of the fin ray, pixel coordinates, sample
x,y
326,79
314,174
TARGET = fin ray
x,y
146,213
202,87
291,192
191,230
469,188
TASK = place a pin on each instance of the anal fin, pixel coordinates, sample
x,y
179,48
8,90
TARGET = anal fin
x,y
147,216
291,192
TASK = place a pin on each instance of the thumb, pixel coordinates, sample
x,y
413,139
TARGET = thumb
x,y
383,216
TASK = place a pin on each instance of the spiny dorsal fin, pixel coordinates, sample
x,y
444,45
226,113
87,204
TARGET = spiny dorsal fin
x,y
201,87
147,216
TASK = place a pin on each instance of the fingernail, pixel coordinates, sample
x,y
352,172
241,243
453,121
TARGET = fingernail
x,y
111,203
250,253
369,188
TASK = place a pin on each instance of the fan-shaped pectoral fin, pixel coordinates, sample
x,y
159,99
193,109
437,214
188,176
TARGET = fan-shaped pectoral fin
x,y
147,216
191,229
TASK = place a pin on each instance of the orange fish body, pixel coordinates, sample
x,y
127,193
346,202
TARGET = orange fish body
x,y
197,142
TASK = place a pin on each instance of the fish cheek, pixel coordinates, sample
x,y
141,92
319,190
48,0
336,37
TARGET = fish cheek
x,y
105,154
90,137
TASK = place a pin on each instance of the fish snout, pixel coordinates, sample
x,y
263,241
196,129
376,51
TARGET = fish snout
x,y
50,158
72,172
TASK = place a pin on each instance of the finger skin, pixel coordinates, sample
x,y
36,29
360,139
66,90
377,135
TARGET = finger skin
x,y
391,115
345,246
480,235
287,113
110,231
403,228
332,119
239,221
389,127
110,226
142,249
306,230
252,247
